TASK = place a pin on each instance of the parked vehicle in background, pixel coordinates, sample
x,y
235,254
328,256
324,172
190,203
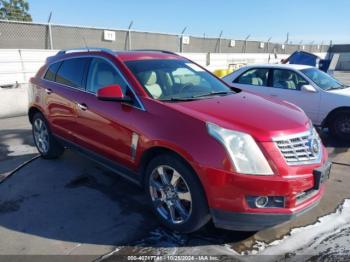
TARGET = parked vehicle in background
x,y
323,98
197,146
305,58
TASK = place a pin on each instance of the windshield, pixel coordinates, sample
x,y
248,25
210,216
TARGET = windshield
x,y
323,80
172,80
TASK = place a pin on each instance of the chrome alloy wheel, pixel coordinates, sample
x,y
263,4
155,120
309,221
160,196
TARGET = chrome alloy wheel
x,y
170,194
41,135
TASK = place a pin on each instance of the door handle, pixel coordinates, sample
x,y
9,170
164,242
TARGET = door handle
x,y
274,95
82,106
48,91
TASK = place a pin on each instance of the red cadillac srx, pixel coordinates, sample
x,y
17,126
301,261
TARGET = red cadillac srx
x,y
201,149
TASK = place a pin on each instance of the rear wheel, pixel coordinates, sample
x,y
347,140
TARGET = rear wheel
x,y
340,125
46,144
176,195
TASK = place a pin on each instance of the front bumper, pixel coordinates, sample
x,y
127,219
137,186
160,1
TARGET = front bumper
x,y
253,221
301,193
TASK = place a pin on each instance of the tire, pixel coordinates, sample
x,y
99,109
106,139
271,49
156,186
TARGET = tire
x,y
340,125
45,142
173,190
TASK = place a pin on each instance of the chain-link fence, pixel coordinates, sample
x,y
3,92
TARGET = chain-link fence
x,y
27,35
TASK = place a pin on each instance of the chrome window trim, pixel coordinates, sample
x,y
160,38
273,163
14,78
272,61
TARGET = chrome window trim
x,y
298,135
139,102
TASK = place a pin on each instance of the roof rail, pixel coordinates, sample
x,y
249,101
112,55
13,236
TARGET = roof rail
x,y
156,50
85,49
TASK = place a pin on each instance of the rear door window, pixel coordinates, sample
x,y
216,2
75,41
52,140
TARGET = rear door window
x,y
256,77
71,72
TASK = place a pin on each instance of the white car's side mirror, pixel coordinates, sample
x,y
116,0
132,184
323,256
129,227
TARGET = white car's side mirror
x,y
308,88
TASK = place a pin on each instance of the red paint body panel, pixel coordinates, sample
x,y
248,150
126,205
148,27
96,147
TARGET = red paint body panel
x,y
107,127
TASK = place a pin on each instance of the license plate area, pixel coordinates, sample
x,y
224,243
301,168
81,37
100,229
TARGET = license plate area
x,y
321,175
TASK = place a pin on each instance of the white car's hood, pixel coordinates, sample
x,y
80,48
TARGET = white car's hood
x,y
343,92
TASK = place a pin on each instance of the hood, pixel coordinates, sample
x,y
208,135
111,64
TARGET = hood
x,y
342,92
261,117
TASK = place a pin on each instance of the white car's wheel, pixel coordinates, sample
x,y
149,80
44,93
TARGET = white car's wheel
x,y
340,125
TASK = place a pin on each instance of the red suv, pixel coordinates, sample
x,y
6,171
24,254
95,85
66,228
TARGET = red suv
x,y
201,149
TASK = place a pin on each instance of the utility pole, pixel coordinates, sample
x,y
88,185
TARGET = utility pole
x,y
50,30
181,38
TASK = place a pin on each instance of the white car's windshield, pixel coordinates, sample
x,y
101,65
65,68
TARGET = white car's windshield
x,y
176,80
323,80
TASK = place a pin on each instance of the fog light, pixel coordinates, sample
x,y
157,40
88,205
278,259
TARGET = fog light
x,y
261,202
265,201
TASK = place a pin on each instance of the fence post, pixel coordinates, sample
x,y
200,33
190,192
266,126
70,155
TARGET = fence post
x,y
181,39
129,35
50,36
50,30
245,44
219,42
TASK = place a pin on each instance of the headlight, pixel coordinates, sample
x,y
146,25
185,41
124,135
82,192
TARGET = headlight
x,y
245,154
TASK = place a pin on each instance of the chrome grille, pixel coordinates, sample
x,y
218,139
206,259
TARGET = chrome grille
x,y
300,148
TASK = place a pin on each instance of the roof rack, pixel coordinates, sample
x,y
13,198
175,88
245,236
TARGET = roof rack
x,y
156,50
86,49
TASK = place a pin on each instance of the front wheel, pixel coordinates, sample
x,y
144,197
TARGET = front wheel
x,y
340,126
176,195
46,144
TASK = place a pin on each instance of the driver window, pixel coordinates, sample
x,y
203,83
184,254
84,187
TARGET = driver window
x,y
101,74
286,79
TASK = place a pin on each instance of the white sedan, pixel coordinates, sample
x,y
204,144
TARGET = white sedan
x,y
324,99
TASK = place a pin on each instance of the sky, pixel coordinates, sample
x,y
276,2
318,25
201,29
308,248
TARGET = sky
x,y
307,21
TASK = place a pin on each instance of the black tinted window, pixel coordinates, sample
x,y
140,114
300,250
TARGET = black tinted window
x,y
51,72
71,72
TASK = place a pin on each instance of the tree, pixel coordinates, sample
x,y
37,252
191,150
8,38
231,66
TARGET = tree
x,y
15,10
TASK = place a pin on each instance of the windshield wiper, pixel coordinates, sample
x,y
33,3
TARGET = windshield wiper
x,y
213,94
175,99
335,88
341,86
195,97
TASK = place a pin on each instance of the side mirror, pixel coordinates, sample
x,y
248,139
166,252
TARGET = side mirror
x,y
112,93
308,88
